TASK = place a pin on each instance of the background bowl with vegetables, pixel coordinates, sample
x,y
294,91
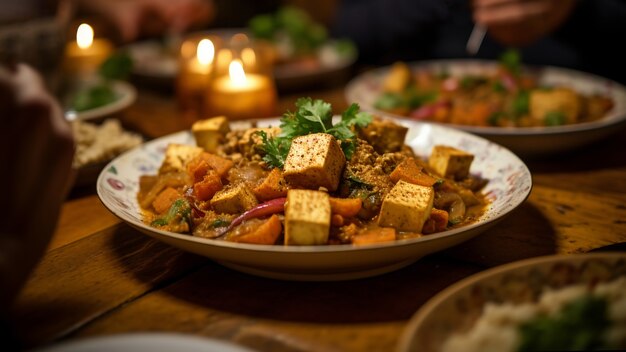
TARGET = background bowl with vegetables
x,y
534,111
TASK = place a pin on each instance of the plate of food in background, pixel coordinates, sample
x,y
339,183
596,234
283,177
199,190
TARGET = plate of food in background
x,y
534,111
302,53
96,145
239,192
551,303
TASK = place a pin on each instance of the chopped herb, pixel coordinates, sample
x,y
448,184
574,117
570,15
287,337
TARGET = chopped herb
x,y
345,47
498,87
453,222
511,60
389,101
521,103
116,66
303,33
93,97
220,223
358,182
495,118
159,222
578,327
263,26
469,82
313,116
179,212
414,98
275,149
554,118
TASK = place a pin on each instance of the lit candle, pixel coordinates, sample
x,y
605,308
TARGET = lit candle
x,y
195,74
84,56
240,95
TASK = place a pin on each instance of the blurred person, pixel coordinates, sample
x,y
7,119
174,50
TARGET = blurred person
x,y
136,18
36,151
577,34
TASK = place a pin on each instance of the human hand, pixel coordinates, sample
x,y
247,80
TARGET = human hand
x,y
152,17
36,151
521,22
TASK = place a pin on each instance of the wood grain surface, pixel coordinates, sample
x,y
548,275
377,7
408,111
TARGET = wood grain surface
x,y
102,277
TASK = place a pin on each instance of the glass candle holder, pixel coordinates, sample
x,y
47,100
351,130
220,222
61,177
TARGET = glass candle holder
x,y
196,66
243,85
84,56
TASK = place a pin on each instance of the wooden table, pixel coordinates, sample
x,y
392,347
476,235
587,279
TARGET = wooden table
x,y
101,277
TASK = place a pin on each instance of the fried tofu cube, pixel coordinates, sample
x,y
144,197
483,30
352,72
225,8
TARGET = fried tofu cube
x,y
234,199
560,100
177,156
450,162
210,133
307,217
384,135
398,78
407,207
314,161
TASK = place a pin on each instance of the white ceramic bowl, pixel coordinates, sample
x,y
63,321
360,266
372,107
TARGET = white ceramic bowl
x,y
524,141
457,307
509,185
145,342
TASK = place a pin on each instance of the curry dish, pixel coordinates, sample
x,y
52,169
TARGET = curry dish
x,y
507,97
311,181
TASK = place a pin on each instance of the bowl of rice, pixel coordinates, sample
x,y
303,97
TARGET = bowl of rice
x,y
559,302
97,145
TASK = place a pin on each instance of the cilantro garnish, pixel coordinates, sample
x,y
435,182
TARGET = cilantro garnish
x,y
275,149
313,116
511,60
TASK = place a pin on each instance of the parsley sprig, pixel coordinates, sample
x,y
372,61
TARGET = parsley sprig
x,y
313,116
511,60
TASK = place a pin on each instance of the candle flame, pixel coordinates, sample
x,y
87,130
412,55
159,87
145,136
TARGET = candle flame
x,y
205,52
84,36
237,74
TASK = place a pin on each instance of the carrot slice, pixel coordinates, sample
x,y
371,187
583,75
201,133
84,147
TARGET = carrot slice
x,y
410,172
164,200
346,207
267,233
383,234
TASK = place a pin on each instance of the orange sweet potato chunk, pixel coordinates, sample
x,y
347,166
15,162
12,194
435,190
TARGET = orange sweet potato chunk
x,y
346,207
272,187
210,184
164,200
267,233
383,234
410,172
